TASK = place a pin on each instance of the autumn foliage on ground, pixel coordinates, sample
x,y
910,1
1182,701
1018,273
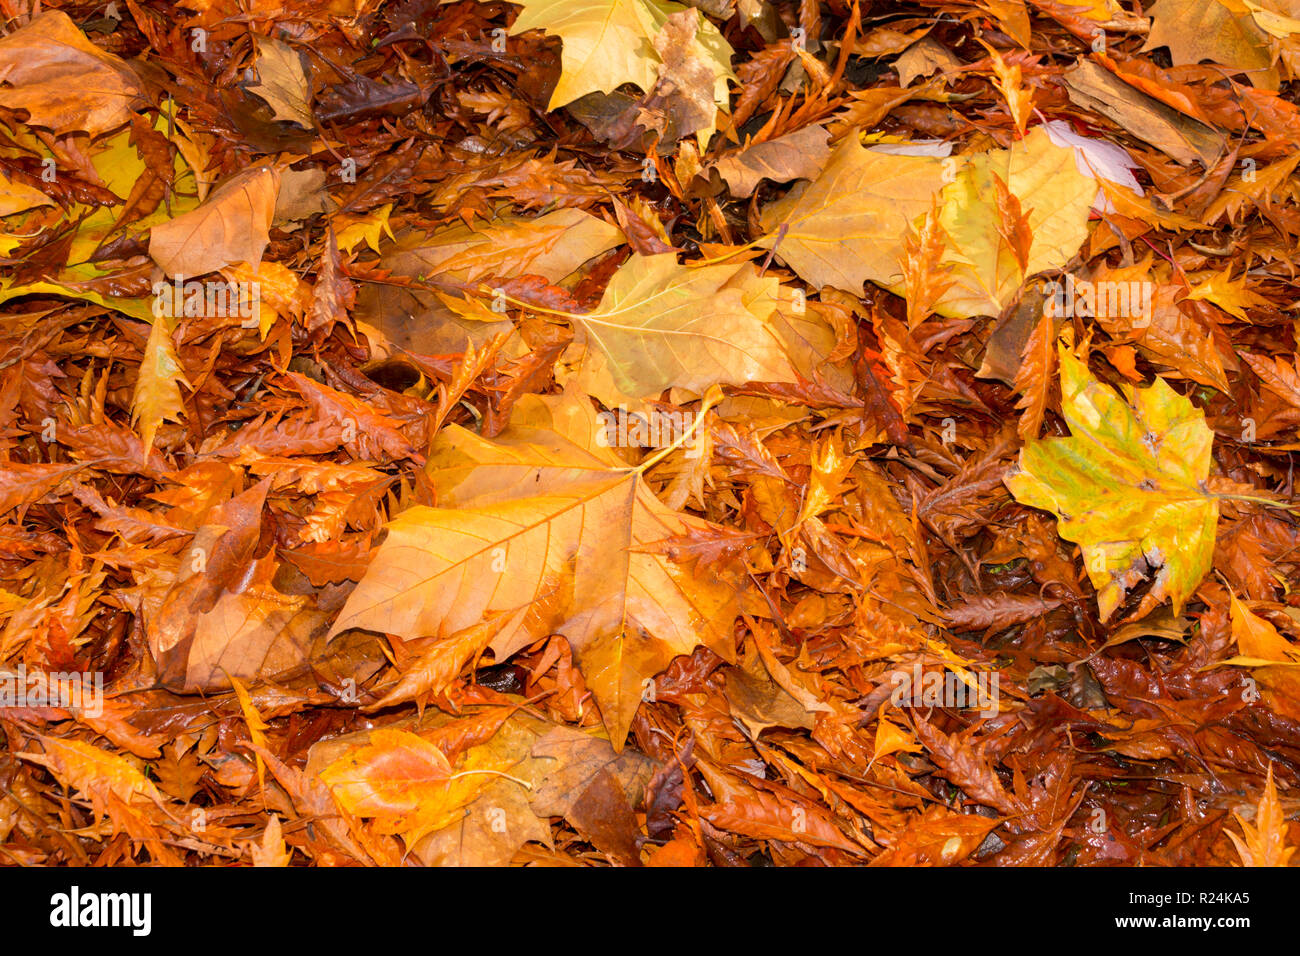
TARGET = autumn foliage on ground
x,y
749,432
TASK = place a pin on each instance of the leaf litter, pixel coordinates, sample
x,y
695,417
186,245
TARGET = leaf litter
x,y
641,434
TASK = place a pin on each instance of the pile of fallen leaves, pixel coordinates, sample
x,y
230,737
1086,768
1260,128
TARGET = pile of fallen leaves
x,y
613,431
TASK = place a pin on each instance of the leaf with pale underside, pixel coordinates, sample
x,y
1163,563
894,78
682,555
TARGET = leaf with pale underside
x,y
534,518
1128,486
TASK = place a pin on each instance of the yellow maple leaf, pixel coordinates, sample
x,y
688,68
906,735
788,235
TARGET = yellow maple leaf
x,y
532,517
350,229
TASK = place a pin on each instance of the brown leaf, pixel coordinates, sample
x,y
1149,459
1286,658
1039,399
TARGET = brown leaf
x,y
231,226
64,81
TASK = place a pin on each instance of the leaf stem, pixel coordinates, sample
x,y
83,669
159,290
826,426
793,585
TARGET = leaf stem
x,y
712,398
725,256
468,773
493,293
1257,500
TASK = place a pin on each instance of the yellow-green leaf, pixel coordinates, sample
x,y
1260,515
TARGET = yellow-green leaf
x,y
851,224
1128,486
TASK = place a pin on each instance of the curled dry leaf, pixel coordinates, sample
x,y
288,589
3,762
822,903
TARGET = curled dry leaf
x,y
231,226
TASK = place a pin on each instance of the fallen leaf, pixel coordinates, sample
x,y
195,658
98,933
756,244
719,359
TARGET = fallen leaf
x,y
231,226
610,42
532,517
652,334
63,81
282,82
1128,486
1265,843
798,155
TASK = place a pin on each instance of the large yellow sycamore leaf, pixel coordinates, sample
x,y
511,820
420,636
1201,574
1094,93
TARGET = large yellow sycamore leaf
x,y
1128,485
661,325
851,224
555,540
848,226
606,43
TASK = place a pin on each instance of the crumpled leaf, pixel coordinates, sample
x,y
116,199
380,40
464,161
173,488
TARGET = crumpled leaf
x,y
798,155
232,226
